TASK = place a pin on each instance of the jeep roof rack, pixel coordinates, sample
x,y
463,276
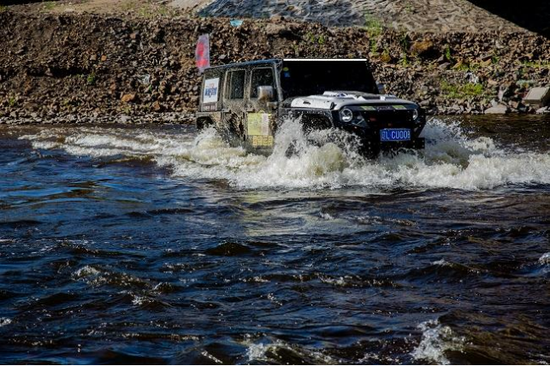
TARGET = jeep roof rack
x,y
258,62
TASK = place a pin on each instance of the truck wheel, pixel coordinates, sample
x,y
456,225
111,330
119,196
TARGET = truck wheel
x,y
235,127
203,123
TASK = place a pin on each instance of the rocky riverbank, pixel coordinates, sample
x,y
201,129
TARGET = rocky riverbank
x,y
92,66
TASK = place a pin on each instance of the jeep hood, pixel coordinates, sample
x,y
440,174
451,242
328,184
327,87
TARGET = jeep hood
x,y
335,100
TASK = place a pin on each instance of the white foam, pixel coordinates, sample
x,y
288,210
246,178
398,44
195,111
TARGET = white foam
x,y
436,340
138,300
90,276
442,262
326,216
545,259
339,281
259,352
5,321
323,159
86,271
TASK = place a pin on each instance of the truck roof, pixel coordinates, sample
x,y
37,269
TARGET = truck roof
x,y
271,61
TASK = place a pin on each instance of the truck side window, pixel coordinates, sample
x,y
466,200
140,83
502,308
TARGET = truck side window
x,y
261,77
236,84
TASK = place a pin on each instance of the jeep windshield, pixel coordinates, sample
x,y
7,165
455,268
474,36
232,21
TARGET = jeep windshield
x,y
314,77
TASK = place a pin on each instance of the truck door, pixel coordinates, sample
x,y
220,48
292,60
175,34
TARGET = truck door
x,y
235,103
261,107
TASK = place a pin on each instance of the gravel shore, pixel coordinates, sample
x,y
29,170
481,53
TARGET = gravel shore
x,y
53,66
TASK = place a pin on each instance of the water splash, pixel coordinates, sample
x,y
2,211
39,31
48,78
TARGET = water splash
x,y
436,340
274,352
545,259
320,159
4,322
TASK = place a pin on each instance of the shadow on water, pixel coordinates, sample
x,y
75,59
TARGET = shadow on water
x,y
533,15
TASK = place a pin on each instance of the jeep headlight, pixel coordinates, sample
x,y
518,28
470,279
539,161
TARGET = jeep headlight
x,y
415,114
346,115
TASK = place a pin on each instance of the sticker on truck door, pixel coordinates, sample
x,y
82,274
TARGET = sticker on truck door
x,y
258,129
211,90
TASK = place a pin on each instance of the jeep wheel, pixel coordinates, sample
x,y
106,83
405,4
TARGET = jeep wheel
x,y
203,123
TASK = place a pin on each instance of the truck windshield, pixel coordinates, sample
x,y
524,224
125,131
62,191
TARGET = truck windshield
x,y
302,77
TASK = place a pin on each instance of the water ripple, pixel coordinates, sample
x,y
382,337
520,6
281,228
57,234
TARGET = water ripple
x,y
160,245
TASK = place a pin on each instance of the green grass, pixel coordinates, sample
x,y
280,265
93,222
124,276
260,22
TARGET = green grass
x,y
409,7
12,101
386,57
374,29
321,39
467,66
463,67
373,25
310,37
149,11
314,38
3,8
373,47
536,64
461,91
404,42
145,12
404,60
91,79
448,54
49,5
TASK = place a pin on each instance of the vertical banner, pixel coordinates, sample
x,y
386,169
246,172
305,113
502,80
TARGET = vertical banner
x,y
202,53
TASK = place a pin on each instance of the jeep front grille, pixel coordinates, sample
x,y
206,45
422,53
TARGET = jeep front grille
x,y
383,118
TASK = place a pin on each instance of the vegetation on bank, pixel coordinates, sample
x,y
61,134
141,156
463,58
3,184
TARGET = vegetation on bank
x,y
460,90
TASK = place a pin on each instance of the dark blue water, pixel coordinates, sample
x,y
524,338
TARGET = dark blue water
x,y
153,245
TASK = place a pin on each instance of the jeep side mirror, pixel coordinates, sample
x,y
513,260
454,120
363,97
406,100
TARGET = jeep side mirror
x,y
381,88
266,93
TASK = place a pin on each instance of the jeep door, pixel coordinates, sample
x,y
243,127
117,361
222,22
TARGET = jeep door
x,y
235,102
263,98
210,102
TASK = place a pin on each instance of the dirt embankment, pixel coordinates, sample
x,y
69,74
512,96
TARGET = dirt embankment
x,y
89,65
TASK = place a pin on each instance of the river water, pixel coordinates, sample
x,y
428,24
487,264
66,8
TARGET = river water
x,y
161,245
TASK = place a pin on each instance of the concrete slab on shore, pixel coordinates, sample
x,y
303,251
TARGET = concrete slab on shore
x,y
538,97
